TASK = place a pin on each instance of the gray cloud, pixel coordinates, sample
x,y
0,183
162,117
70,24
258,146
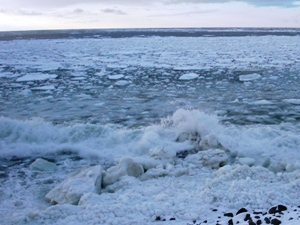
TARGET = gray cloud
x,y
78,11
114,11
281,3
20,12
184,13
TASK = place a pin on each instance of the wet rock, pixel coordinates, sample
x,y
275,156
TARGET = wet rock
x,y
277,209
228,214
275,221
242,210
267,220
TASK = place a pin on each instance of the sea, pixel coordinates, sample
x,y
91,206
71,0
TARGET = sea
x,y
80,98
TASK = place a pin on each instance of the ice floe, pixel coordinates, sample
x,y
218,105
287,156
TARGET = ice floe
x,y
36,77
249,77
188,76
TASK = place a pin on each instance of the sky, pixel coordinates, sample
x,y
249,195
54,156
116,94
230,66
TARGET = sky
x,y
83,14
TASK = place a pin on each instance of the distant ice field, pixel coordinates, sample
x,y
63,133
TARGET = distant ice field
x,y
137,81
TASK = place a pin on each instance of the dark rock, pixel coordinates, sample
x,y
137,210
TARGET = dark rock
x,y
228,214
255,212
214,210
267,220
172,218
291,218
251,222
258,222
182,154
282,208
205,221
277,209
257,217
242,210
247,217
157,218
275,221
230,222
273,210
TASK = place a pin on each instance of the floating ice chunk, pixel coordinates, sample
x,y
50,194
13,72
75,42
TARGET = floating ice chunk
x,y
292,101
78,78
43,165
36,76
249,77
262,102
76,185
8,74
188,76
44,88
116,77
122,83
116,66
182,68
99,104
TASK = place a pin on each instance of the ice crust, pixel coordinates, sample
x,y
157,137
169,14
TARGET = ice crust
x,y
184,170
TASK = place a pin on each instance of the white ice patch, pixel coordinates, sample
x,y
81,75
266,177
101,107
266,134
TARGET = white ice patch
x,y
116,77
8,74
188,76
249,77
262,102
292,101
122,83
116,66
36,77
44,88
183,68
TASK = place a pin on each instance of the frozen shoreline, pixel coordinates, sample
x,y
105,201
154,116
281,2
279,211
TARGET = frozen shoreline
x,y
173,195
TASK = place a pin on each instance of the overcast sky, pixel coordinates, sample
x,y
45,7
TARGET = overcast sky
x,y
73,14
